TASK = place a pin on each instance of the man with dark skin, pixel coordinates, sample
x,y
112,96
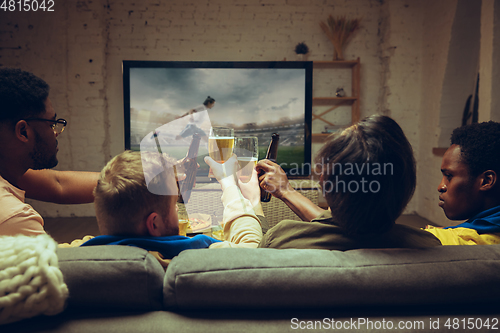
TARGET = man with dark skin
x,y
463,195
29,128
470,189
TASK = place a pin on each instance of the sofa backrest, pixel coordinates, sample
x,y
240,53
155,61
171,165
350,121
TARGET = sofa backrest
x,y
112,277
124,277
271,278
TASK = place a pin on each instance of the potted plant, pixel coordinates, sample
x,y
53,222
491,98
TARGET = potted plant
x,y
301,49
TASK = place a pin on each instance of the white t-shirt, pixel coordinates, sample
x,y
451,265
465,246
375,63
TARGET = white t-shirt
x,y
198,117
16,216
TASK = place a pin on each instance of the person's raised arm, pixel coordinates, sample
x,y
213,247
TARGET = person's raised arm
x,y
275,181
241,226
251,191
62,187
224,173
190,112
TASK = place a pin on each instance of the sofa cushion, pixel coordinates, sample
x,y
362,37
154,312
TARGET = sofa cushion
x,y
270,278
112,277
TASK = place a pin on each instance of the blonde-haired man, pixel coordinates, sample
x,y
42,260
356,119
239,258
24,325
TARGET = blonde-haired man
x,y
136,204
122,197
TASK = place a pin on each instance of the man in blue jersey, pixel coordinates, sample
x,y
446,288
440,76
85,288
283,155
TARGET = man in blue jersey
x,y
136,204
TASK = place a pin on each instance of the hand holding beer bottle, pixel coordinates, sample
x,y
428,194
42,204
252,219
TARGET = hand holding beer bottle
x,y
191,166
272,155
273,178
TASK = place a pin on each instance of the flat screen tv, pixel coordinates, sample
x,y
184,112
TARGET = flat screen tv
x,y
255,98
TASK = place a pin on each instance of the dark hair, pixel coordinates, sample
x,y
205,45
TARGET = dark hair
x,y
479,145
22,94
209,100
376,155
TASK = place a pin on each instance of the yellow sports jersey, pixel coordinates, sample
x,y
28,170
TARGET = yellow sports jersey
x,y
463,236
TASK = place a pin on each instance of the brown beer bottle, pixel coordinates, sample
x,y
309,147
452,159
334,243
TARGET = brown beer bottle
x,y
272,155
191,167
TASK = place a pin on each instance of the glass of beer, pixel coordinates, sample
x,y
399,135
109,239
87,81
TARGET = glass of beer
x,y
247,150
220,145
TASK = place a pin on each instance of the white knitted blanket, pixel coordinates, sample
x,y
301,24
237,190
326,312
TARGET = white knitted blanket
x,y
30,280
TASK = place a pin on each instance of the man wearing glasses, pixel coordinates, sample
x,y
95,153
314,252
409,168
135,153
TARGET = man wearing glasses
x,y
29,128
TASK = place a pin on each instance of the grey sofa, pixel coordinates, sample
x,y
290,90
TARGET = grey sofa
x,y
124,289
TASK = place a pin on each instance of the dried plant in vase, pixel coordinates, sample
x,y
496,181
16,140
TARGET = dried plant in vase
x,y
338,31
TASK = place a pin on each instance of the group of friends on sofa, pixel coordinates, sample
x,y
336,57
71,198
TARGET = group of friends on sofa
x,y
373,154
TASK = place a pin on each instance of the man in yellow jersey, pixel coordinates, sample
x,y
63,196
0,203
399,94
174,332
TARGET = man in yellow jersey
x,y
470,188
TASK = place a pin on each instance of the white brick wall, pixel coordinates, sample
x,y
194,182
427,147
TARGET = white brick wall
x,y
79,48
438,19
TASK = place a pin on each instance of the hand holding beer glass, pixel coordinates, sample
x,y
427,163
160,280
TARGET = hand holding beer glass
x,y
247,150
220,145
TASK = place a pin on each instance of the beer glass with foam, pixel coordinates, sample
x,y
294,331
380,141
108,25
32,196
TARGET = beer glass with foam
x,y
220,145
247,150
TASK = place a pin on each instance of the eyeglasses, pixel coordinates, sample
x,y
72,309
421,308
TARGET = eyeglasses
x,y
57,126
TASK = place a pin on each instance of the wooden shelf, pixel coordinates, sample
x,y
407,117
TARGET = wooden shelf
x,y
338,101
339,63
333,100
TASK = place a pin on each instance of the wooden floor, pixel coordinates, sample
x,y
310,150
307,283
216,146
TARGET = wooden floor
x,y
67,229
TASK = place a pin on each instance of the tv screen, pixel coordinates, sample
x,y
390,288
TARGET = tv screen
x,y
254,98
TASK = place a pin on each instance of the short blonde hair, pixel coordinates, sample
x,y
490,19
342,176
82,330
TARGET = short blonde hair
x,y
122,199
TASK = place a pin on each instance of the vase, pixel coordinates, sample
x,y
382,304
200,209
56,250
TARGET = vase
x,y
302,57
338,54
